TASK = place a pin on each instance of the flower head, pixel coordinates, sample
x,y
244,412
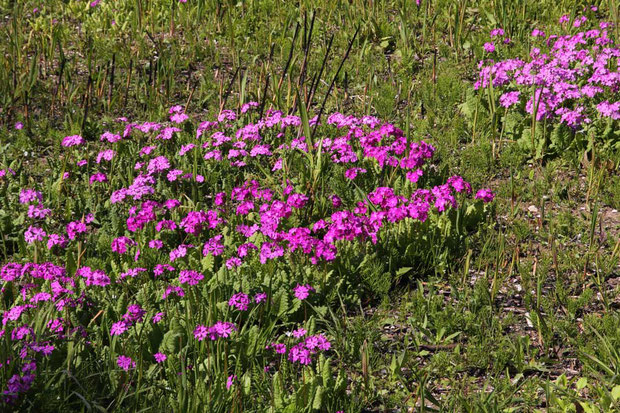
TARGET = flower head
x,y
229,382
160,357
73,140
125,363
486,195
240,301
302,291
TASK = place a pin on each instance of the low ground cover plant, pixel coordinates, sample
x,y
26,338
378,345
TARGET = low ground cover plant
x,y
195,262
568,86
328,243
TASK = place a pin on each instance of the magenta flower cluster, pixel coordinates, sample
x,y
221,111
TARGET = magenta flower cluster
x,y
302,351
220,329
572,78
170,246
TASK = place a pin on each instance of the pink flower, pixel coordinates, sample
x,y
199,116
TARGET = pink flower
x,y
489,47
134,313
132,272
486,195
110,137
156,244
579,21
297,200
414,176
300,354
610,110
173,289
229,382
171,203
74,228
185,148
459,184
240,301
158,164
158,317
277,166
174,174
33,234
73,140
93,277
352,173
160,357
179,252
147,150
179,118
247,106
226,115
160,268
118,328
200,332
98,177
125,363
303,351
56,239
509,98
106,155
302,291
233,262
190,277
300,332
56,325
38,211
28,195
279,348
219,329
213,246
40,297
119,245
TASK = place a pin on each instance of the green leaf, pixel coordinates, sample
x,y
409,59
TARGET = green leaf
x,y
70,266
252,340
341,382
581,383
247,384
588,407
277,391
283,304
318,398
305,122
207,263
326,373
394,366
170,343
471,208
291,408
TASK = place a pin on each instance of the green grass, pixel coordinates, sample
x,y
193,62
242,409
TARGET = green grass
x,y
525,318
